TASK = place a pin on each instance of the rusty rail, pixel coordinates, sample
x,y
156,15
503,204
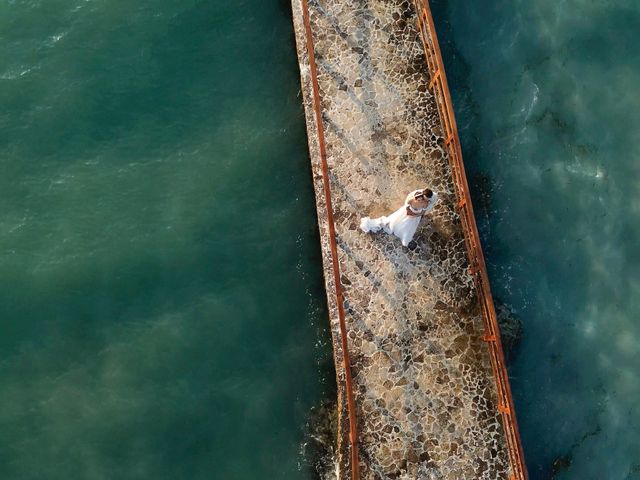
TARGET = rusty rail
x,y
438,84
351,406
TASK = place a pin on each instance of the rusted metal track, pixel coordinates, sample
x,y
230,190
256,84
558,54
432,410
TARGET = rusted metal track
x,y
478,270
351,406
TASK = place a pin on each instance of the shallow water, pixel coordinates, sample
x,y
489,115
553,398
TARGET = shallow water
x,y
162,305
548,105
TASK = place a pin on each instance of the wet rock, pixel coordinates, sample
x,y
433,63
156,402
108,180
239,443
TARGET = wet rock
x,y
560,464
319,448
511,329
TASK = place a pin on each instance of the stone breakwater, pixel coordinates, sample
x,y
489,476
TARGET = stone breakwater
x,y
424,392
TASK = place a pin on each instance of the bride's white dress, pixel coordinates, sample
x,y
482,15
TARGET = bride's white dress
x,y
399,223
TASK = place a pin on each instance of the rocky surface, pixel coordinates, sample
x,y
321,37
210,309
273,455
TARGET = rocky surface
x,y
320,440
511,329
424,390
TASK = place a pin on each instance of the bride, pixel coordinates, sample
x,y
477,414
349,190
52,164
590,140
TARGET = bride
x,y
403,223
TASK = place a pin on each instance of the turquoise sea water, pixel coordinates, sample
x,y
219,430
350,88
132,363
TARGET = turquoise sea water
x,y
547,97
162,310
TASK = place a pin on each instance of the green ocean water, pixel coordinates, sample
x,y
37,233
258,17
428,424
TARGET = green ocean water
x,y
547,98
162,308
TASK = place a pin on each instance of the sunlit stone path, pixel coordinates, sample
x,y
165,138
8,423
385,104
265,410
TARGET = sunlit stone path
x,y
424,392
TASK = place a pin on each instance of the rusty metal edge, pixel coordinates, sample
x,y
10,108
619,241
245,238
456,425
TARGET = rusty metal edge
x,y
351,407
478,268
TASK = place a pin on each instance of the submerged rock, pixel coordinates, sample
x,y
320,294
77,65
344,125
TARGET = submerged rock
x,y
560,464
511,329
320,448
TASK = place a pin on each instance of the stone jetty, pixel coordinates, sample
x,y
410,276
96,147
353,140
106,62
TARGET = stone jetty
x,y
423,388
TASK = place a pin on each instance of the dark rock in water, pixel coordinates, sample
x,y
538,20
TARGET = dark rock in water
x,y
510,329
560,464
483,189
320,447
